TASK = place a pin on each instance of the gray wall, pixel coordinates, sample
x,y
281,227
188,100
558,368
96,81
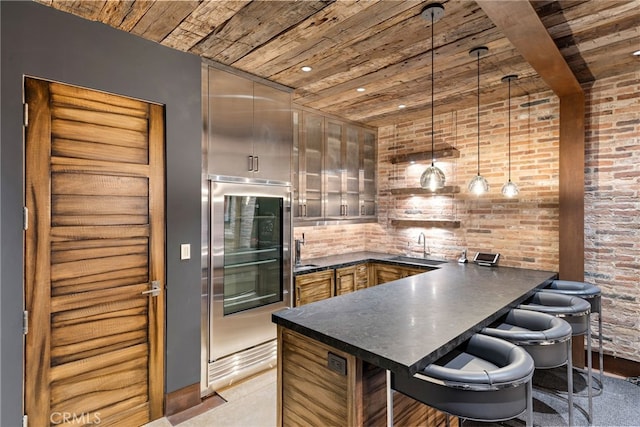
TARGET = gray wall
x,y
42,42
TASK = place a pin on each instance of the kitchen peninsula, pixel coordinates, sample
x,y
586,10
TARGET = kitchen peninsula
x,y
333,354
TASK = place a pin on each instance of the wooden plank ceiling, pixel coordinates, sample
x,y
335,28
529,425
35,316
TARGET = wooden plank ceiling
x,y
380,45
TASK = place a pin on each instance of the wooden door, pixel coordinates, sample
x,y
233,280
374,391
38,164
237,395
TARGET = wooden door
x,y
94,184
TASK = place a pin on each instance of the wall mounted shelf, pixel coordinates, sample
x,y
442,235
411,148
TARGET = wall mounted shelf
x,y
435,223
443,154
418,191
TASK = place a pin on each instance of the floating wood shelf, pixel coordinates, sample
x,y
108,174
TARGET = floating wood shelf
x,y
438,223
444,154
449,189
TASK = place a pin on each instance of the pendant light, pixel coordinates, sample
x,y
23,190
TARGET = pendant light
x,y
510,189
478,185
432,178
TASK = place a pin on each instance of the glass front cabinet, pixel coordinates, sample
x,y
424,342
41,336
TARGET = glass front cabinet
x,y
334,169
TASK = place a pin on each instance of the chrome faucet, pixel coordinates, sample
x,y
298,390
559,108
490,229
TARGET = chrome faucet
x,y
299,243
422,239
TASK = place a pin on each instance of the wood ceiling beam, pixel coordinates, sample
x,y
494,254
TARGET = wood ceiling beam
x,y
520,23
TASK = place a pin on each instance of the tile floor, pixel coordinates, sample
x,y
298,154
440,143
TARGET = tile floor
x,y
251,403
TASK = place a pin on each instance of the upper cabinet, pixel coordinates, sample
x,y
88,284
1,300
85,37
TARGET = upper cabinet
x,y
249,127
334,169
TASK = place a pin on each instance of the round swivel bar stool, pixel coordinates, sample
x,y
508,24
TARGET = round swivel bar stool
x,y
574,311
593,295
545,337
485,379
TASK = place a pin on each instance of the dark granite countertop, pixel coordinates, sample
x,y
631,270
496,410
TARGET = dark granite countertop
x,y
408,323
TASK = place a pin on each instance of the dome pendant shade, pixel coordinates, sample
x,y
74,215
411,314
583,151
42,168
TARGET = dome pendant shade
x,y
510,189
432,179
478,185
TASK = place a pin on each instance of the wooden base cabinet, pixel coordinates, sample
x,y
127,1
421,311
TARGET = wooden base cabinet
x,y
319,385
314,287
345,280
383,273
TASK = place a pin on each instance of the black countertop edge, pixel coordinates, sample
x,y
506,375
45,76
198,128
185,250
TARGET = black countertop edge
x,y
347,260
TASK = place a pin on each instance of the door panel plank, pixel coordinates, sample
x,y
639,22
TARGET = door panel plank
x,y
82,350
98,243
102,296
119,121
66,129
90,104
102,97
58,256
104,382
96,266
73,369
96,312
73,233
94,151
105,205
70,164
115,278
99,185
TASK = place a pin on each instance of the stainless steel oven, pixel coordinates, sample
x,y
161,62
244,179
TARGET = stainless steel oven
x,y
250,262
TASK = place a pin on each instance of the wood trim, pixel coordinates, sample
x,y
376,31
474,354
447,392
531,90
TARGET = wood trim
x,y
571,191
441,155
37,255
439,223
519,21
615,365
182,399
156,260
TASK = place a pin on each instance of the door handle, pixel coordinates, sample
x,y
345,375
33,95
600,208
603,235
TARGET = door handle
x,y
155,289
250,163
256,164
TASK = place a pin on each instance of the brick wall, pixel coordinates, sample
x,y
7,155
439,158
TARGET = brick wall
x,y
523,230
612,208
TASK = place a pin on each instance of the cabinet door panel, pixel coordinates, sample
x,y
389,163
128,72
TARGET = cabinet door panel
x,y
345,280
230,123
272,133
311,152
313,287
333,170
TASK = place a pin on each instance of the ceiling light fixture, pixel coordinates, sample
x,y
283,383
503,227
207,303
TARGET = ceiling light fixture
x,y
478,185
360,89
637,53
432,178
306,68
401,106
510,189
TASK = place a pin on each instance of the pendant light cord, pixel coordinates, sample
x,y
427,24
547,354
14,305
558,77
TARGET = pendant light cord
x,y
509,129
432,125
478,53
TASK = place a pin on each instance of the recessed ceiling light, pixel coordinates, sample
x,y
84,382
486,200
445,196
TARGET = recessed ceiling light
x,y
637,53
401,106
361,89
306,68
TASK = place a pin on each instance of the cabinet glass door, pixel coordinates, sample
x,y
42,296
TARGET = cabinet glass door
x,y
253,252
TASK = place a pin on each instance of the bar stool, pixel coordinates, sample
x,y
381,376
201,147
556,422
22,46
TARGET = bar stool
x,y
485,379
593,295
545,337
574,311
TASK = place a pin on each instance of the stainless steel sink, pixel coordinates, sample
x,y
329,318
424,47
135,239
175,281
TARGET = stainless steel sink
x,y
421,261
304,267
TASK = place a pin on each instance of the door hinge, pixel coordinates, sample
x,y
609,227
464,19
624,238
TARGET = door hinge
x,y
25,218
26,114
25,322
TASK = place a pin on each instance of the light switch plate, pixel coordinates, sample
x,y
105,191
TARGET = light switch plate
x,y
185,251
